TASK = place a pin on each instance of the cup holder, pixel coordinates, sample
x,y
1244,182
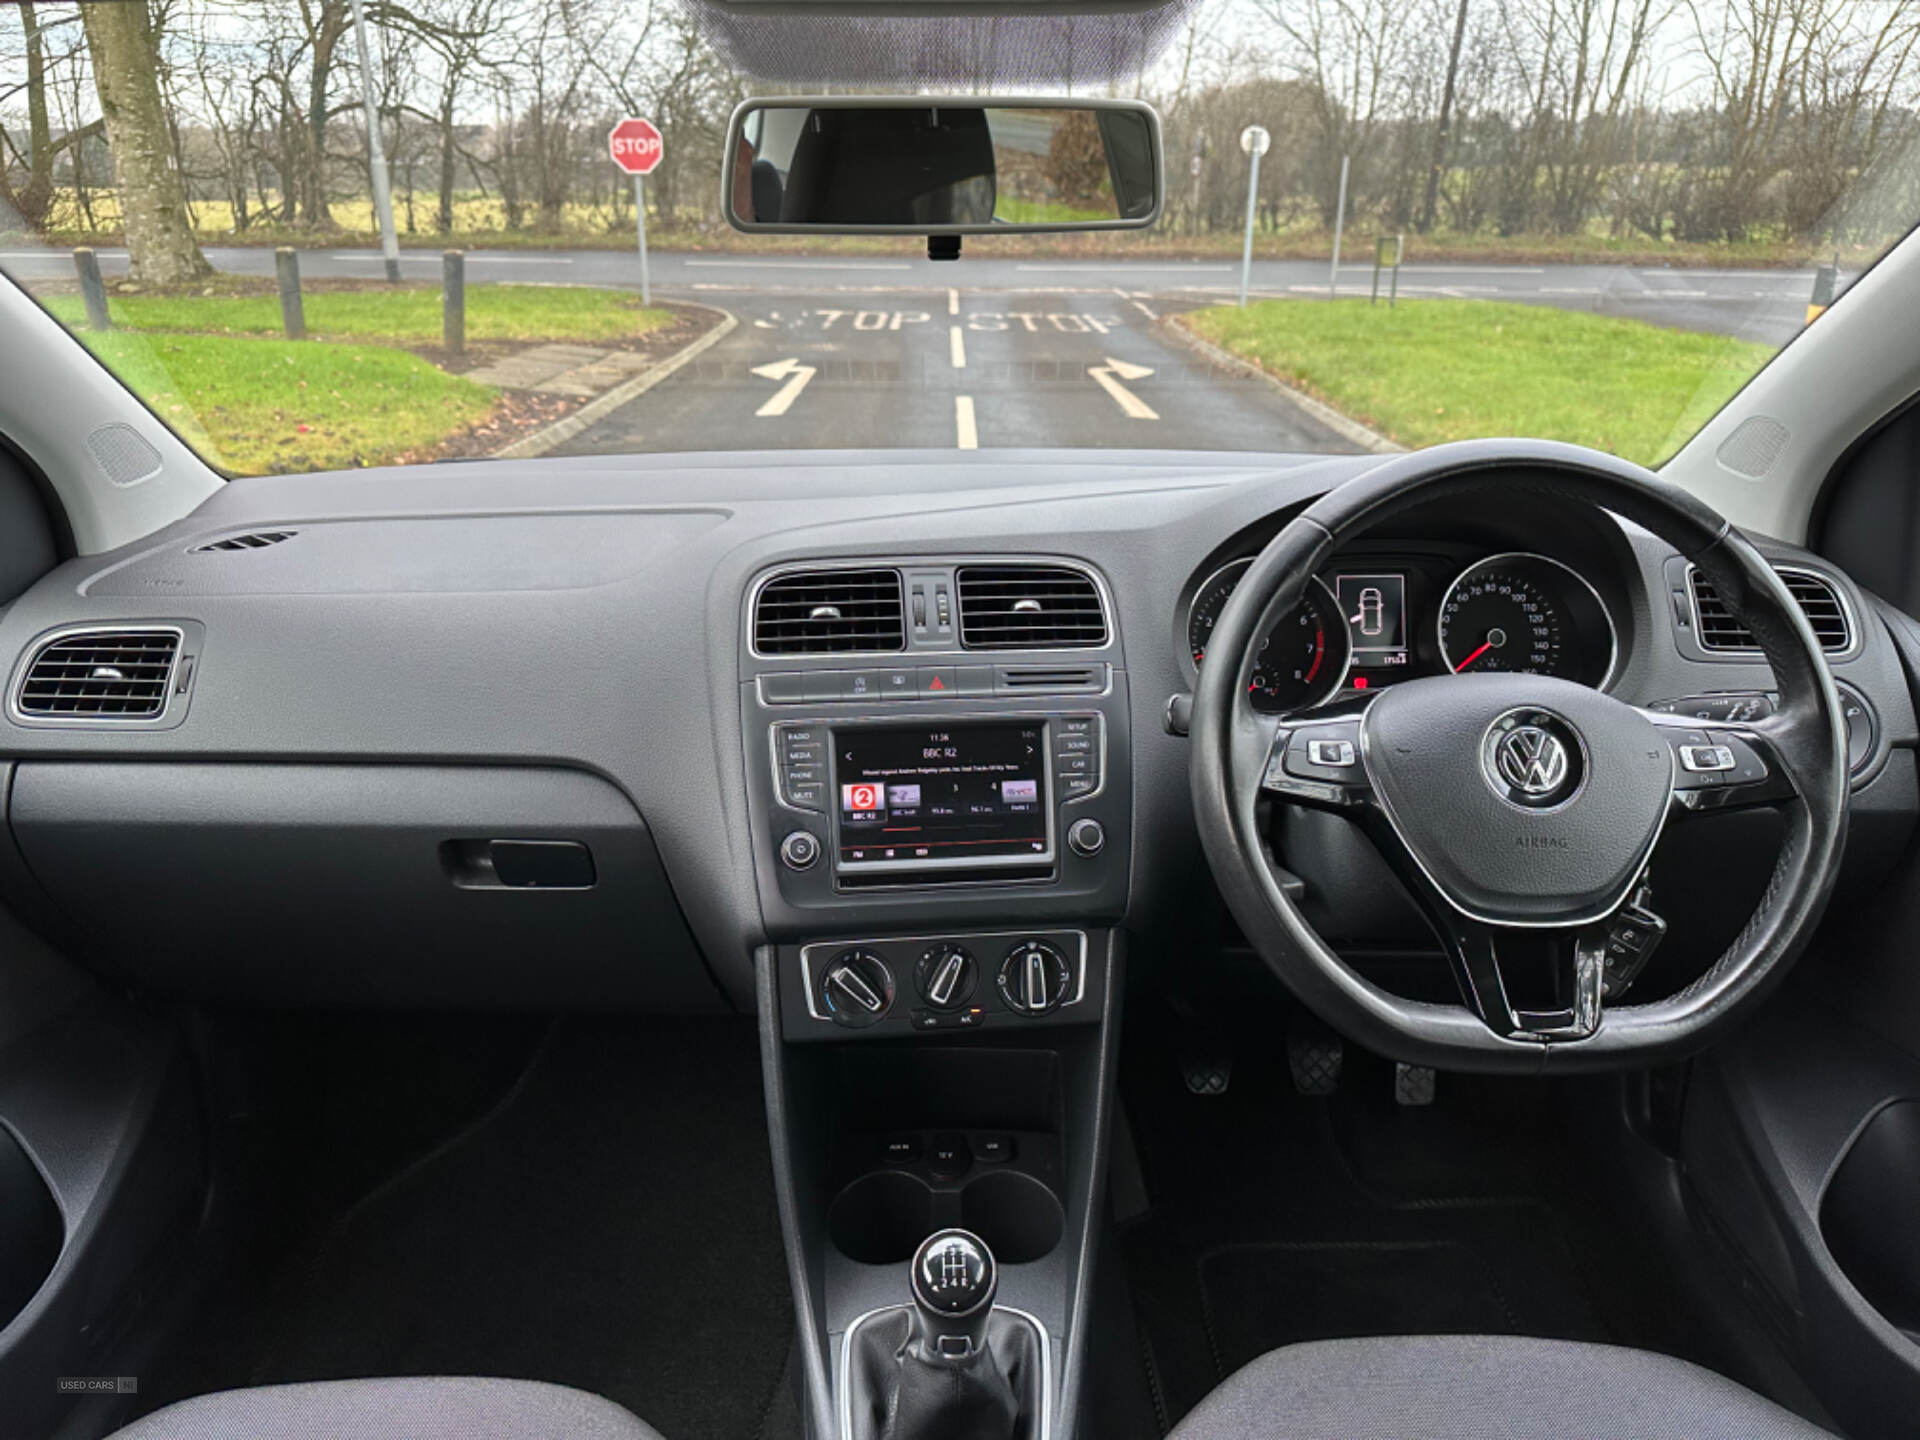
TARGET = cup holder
x,y
1866,1215
880,1219
1015,1214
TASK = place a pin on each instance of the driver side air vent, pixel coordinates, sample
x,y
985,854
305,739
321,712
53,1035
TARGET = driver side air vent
x,y
1029,607
1719,631
100,675
259,540
816,612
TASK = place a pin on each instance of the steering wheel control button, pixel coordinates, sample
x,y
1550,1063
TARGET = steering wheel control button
x,y
1534,758
946,976
1331,754
856,989
1035,978
949,1157
1086,837
799,851
1706,759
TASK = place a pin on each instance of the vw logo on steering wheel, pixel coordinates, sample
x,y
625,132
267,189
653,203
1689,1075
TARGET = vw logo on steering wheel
x,y
1533,758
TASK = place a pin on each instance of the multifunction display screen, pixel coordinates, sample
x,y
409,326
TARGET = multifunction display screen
x,y
941,796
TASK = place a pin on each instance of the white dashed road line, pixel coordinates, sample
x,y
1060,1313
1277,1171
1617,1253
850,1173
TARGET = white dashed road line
x,y
792,265
966,435
953,302
956,347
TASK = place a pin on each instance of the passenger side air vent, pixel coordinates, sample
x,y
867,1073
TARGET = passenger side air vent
x,y
259,540
1720,632
816,612
100,675
1029,607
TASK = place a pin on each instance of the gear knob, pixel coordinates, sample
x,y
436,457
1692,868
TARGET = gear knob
x,y
954,1278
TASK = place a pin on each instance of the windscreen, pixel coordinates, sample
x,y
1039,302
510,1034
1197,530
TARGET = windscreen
x,y
321,236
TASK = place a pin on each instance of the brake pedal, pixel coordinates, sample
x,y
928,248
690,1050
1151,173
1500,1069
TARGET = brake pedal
x,y
1413,1084
1208,1074
1316,1062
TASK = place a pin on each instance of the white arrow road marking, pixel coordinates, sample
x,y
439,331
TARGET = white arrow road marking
x,y
1109,376
794,373
967,435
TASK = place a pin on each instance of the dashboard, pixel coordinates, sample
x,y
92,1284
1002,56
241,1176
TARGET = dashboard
x,y
514,732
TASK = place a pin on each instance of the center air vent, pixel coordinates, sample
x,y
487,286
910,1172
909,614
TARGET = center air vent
x,y
1719,631
1029,607
815,612
259,540
100,675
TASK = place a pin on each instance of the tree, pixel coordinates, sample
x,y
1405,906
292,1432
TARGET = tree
x,y
32,198
153,206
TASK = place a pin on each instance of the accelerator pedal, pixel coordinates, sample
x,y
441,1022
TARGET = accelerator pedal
x,y
1413,1084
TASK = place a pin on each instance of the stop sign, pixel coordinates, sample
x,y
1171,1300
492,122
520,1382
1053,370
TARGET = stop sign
x,y
635,145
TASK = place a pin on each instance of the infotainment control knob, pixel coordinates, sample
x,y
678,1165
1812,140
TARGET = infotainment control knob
x,y
946,975
1034,978
856,988
799,850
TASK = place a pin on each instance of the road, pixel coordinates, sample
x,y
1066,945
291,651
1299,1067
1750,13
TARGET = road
x,y
990,352
1767,305
942,367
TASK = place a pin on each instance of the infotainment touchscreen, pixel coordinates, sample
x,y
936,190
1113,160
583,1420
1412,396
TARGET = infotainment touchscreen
x,y
941,796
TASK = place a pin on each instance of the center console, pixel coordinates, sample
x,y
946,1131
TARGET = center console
x,y
937,755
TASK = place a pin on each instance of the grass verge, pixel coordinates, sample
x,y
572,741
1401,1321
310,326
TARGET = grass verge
x,y
404,315
1429,371
264,406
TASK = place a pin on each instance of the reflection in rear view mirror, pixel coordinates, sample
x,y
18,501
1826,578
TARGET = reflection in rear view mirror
x,y
942,167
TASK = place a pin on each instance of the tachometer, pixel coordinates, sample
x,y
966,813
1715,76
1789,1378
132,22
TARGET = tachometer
x,y
1525,613
1300,662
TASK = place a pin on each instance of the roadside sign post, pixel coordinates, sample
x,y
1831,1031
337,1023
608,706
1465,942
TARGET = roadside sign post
x,y
1388,252
1254,140
1339,224
637,149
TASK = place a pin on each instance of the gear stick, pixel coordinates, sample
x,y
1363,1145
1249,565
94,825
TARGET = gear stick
x,y
948,1366
953,1281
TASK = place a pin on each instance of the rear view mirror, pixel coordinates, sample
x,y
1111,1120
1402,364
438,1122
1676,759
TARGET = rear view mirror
x,y
923,166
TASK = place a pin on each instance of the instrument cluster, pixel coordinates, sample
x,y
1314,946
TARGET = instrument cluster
x,y
1378,618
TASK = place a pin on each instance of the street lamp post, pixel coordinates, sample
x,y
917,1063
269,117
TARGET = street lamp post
x,y
382,195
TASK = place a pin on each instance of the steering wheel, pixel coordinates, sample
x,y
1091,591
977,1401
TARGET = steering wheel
x,y
1519,810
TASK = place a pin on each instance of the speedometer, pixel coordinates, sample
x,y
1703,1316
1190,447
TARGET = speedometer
x,y
1529,614
1300,661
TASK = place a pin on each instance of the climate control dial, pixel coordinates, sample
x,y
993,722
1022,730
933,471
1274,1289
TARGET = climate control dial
x,y
946,975
856,988
1035,978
